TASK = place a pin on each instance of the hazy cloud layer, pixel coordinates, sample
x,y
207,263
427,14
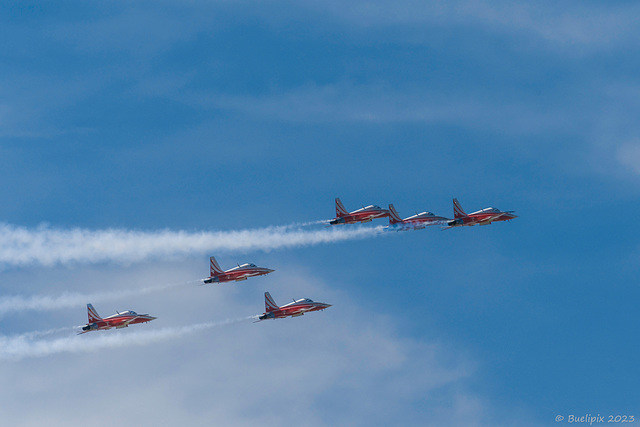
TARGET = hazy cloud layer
x,y
237,372
629,156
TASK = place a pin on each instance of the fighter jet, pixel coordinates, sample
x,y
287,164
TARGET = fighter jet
x,y
293,309
481,217
415,222
241,272
118,321
365,214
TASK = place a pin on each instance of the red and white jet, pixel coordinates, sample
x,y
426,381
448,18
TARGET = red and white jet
x,y
481,217
241,272
415,222
118,321
293,309
365,214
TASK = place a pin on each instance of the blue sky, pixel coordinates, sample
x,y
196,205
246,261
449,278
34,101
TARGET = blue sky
x,y
222,116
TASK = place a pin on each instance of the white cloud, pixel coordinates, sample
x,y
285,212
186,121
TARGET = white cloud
x,y
629,156
589,26
375,103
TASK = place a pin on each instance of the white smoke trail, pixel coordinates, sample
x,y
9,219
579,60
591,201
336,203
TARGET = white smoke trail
x,y
49,246
17,303
306,224
22,346
36,334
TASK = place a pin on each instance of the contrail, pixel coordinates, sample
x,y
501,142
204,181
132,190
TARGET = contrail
x,y
49,246
14,303
22,346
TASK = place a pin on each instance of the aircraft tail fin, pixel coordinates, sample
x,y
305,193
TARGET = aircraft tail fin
x,y
340,209
93,314
458,212
394,218
269,304
214,267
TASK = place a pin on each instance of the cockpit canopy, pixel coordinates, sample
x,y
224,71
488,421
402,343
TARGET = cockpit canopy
x,y
490,210
421,215
368,208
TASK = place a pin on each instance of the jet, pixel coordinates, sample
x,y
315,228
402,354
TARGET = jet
x,y
241,272
481,217
118,321
365,214
293,309
415,222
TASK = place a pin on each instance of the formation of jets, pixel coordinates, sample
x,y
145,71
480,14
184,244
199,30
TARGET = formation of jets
x,y
301,306
418,221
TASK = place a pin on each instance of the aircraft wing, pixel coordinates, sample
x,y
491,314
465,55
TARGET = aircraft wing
x,y
492,218
446,228
127,322
122,323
